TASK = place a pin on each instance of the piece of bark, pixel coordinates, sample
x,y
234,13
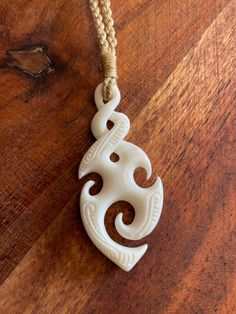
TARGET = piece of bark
x,y
33,61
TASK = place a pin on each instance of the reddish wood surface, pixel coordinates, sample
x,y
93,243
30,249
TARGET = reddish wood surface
x,y
176,62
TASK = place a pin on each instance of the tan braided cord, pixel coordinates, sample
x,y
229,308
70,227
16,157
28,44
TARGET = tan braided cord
x,y
102,15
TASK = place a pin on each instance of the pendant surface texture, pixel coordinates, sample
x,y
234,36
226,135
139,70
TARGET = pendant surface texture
x,y
118,185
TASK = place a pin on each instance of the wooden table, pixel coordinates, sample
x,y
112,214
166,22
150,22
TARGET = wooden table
x,y
176,63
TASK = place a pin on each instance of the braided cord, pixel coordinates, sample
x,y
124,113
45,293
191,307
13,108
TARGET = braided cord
x,y
104,25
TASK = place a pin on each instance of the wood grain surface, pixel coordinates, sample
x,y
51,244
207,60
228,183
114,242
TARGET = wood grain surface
x,y
176,63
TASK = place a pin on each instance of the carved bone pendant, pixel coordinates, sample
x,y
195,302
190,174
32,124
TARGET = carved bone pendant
x,y
118,185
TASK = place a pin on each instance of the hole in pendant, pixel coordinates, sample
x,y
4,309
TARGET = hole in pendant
x,y
140,177
128,216
110,124
114,157
96,188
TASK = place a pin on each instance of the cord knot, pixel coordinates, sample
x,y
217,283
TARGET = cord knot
x,y
110,73
109,64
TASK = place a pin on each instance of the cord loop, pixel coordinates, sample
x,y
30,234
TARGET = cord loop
x,y
106,35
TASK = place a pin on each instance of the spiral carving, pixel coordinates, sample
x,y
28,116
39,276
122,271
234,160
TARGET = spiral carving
x,y
118,184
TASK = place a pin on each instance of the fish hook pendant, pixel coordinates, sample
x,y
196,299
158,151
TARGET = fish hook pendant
x,y
118,185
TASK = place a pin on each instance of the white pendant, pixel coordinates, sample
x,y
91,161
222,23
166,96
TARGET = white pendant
x,y
118,185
